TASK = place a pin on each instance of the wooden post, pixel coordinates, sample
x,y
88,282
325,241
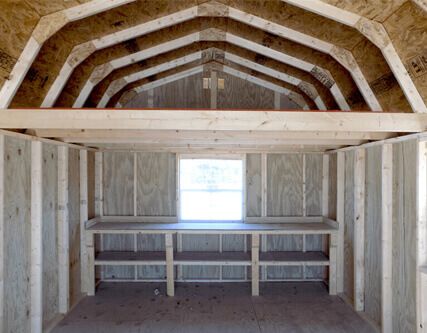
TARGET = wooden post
x,y
36,283
255,264
83,219
169,265
421,247
214,89
63,229
386,237
340,220
359,230
90,263
325,186
276,100
99,196
2,305
263,209
333,264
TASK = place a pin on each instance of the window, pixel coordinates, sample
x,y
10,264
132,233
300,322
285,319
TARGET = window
x,y
211,189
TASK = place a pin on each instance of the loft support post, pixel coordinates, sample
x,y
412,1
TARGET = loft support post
x,y
169,265
340,220
359,229
36,283
83,219
255,264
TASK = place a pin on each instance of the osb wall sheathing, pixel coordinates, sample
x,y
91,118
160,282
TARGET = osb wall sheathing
x,y
100,89
81,74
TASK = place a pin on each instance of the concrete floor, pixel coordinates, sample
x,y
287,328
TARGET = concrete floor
x,y
212,308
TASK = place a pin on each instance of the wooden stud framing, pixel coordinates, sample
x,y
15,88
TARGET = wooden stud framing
x,y
340,220
386,237
214,90
325,186
36,283
255,264
63,232
264,238
169,265
99,191
359,229
83,218
333,264
2,239
421,247
89,244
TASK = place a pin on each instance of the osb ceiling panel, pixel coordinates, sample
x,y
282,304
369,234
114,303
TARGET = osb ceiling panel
x,y
100,89
408,29
378,10
83,71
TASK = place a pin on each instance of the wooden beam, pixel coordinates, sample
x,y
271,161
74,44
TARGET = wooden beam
x,y
63,232
83,218
36,275
325,186
169,265
255,264
99,184
421,238
386,238
223,120
359,230
2,236
340,220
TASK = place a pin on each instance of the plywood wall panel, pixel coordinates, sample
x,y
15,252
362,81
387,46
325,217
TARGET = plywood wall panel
x,y
284,185
253,185
233,273
373,233
313,184
404,236
118,183
118,242
201,272
50,232
17,232
284,272
150,272
349,225
284,243
233,243
74,224
156,184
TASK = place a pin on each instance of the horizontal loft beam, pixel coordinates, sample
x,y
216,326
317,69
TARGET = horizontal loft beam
x,y
225,120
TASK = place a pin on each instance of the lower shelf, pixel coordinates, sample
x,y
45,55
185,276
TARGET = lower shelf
x,y
313,258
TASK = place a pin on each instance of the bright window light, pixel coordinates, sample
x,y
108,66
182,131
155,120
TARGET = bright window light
x,y
211,189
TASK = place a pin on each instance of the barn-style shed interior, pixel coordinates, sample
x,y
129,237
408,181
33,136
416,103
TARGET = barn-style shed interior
x,y
213,165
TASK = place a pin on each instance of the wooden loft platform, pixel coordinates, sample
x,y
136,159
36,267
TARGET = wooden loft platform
x,y
182,130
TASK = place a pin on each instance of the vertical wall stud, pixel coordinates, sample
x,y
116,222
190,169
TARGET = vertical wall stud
x,y
277,100
90,263
150,98
255,264
340,220
1,231
99,191
263,209
325,186
169,265
63,230
421,247
359,230
333,264
83,219
386,237
36,283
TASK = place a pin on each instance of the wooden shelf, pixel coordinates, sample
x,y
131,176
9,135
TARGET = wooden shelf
x,y
213,258
130,258
291,258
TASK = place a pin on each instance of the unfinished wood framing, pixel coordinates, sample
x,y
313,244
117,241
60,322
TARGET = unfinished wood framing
x,y
359,229
2,233
63,232
340,219
36,238
255,264
83,219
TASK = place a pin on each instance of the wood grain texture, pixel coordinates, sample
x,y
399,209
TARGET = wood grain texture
x,y
74,224
404,236
253,185
332,197
373,234
284,185
313,184
156,184
349,225
91,184
151,272
284,243
50,244
17,230
284,272
241,94
118,183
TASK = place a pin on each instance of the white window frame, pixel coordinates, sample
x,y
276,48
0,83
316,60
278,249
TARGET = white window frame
x,y
241,157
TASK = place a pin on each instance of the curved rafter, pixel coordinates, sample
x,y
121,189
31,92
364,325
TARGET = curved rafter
x,y
119,84
211,34
294,96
